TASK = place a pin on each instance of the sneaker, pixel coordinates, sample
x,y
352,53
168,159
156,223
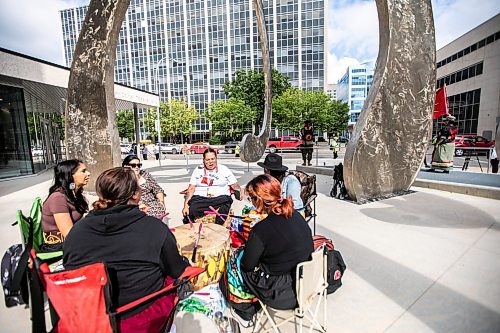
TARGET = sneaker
x,y
304,163
309,164
241,321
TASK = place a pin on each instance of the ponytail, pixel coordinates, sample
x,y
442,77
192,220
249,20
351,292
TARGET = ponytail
x,y
283,207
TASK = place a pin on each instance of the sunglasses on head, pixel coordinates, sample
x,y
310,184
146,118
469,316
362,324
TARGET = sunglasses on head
x,y
135,165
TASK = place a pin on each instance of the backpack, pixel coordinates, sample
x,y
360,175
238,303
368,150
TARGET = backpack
x,y
15,260
335,263
14,281
307,191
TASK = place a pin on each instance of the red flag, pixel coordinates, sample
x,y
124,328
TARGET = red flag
x,y
441,105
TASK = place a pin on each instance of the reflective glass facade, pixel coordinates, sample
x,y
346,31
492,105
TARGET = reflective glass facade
x,y
31,138
353,89
197,45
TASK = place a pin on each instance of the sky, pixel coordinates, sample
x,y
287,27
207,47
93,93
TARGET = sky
x,y
33,27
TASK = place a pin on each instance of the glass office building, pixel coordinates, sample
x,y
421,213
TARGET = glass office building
x,y
187,49
32,106
353,89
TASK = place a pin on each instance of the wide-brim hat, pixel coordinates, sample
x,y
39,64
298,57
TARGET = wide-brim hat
x,y
273,162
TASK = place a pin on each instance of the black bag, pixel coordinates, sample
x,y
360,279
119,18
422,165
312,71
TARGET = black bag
x,y
335,263
336,268
338,191
14,280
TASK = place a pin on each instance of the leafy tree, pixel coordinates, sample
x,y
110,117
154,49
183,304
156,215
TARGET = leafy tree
x,y
338,116
176,117
296,105
230,117
125,123
248,86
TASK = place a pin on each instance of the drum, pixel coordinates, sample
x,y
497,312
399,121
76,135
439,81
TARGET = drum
x,y
212,252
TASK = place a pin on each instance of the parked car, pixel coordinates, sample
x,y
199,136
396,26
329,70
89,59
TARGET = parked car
x,y
37,151
200,148
476,141
125,148
343,139
231,146
283,143
170,148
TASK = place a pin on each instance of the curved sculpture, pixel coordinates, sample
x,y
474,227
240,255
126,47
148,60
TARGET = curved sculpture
x,y
253,147
391,136
91,132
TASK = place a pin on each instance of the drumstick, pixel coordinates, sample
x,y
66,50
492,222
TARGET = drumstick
x,y
196,243
217,213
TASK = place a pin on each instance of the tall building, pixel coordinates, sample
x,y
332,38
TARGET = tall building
x,y
470,68
197,45
331,89
353,88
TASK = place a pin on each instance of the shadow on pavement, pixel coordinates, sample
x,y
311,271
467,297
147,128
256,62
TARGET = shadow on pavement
x,y
428,210
442,309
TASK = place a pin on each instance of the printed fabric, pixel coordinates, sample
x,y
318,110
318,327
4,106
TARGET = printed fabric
x,y
212,183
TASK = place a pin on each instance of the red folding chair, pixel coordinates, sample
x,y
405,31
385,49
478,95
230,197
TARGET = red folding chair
x,y
82,298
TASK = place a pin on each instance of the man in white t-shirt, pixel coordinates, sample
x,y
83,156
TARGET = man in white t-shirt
x,y
210,186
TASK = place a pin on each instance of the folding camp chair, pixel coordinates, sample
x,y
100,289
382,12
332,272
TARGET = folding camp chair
x,y
311,284
32,238
82,298
308,195
33,223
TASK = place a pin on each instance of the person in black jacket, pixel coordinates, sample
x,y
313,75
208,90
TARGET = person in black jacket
x,y
307,136
274,248
139,251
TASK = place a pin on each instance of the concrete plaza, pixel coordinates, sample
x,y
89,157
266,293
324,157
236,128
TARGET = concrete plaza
x,y
428,261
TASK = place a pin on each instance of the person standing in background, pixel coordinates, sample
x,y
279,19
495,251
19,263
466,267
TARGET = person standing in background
x,y
494,160
144,152
156,151
186,152
307,136
335,147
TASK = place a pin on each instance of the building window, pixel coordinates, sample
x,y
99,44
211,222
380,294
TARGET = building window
x,y
15,155
464,74
465,107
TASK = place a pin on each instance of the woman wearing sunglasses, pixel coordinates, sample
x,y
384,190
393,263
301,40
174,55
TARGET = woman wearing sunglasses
x,y
152,195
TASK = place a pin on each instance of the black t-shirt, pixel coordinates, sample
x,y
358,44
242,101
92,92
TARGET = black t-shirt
x,y
278,244
139,251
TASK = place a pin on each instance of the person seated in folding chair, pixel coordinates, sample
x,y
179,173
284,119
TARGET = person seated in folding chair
x,y
65,204
274,248
290,185
210,186
140,252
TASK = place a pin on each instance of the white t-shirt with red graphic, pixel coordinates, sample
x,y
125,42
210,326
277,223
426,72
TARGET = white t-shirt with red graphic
x,y
212,183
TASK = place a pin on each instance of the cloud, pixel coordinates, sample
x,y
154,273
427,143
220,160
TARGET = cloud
x,y
352,35
453,18
353,28
337,67
33,27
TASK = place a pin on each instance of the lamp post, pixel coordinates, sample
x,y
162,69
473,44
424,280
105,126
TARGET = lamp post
x,y
158,124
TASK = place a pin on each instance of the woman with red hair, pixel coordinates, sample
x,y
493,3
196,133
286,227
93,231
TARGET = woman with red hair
x,y
274,248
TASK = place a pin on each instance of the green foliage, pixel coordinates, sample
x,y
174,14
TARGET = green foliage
x,y
126,125
231,117
296,105
176,117
248,87
215,140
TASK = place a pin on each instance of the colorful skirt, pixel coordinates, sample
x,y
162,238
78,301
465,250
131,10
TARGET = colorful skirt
x,y
442,156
